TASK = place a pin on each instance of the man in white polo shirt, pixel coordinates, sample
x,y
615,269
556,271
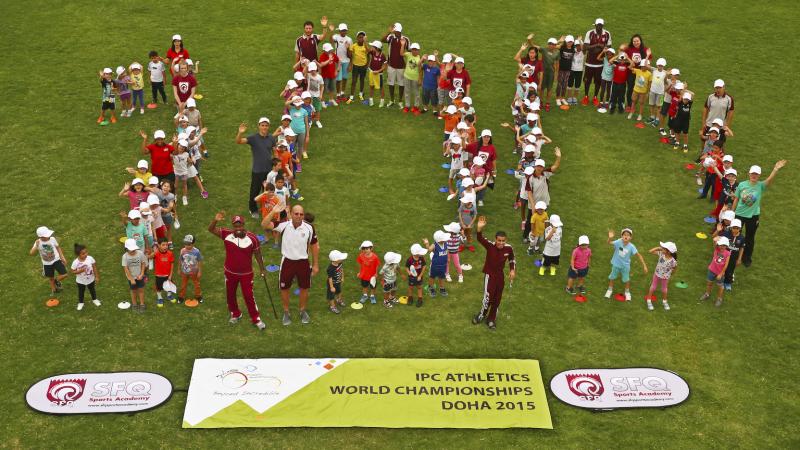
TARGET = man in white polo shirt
x,y
297,237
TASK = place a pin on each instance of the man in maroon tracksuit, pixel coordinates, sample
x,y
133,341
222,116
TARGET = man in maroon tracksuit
x,y
497,253
240,247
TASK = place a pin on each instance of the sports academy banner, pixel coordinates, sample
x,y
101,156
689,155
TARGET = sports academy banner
x,y
634,387
389,393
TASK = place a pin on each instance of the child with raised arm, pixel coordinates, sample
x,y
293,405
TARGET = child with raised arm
x,y
666,267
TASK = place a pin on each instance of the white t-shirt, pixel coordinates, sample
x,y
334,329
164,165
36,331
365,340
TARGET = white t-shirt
x,y
180,163
87,276
342,44
457,157
156,70
552,247
577,61
657,83
295,241
315,85
48,251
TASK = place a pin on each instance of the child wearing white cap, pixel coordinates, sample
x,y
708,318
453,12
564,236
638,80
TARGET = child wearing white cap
x,y
679,122
550,59
135,192
368,263
579,266
137,86
566,53
666,267
467,213
52,257
454,243
329,68
316,88
123,87
108,97
377,65
538,221
438,250
736,244
389,274
444,85
415,271
671,95
335,272
720,260
183,166
134,265
451,118
411,76
342,43
658,82
552,245
141,171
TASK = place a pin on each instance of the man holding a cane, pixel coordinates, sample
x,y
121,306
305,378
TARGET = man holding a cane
x,y
497,253
297,238
240,247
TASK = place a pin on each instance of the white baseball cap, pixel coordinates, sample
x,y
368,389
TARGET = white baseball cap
x,y
731,171
464,172
189,62
727,158
137,181
478,161
728,215
121,70
599,21
286,117
643,63
675,71
459,60
376,44
44,232
555,220
719,83
304,95
152,199
298,100
451,109
159,134
552,41
679,86
144,208
398,27
326,47
467,182
528,170
153,180
447,58
134,214
176,37
366,244
312,66
670,246
453,227
583,240
714,129
392,257
413,46
539,162
298,76
687,96
130,245
611,50
736,223
468,198
263,119
578,41
289,132
183,118
755,169
531,138
291,84
467,100
569,38
455,140
343,27
418,250
536,130
529,149
431,58
135,66
531,117
440,236
336,255
661,62
183,143
191,103
718,122
107,70
722,240
462,126
142,164
486,132
540,205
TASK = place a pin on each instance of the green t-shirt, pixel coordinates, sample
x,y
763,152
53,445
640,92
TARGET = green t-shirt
x,y
749,196
549,59
412,66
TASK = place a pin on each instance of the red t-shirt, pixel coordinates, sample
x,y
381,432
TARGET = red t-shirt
x,y
675,99
239,251
369,266
444,83
396,60
329,70
620,73
160,159
459,80
163,263
536,68
376,61
173,56
487,152
635,55
185,85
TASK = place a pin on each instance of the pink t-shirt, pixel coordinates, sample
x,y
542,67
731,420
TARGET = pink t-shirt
x,y
581,256
719,259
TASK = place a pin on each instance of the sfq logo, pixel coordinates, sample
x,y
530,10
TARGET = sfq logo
x,y
636,387
87,393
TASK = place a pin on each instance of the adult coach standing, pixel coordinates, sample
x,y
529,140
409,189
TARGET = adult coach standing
x,y
719,105
306,45
497,253
240,247
261,144
397,64
747,205
594,42
297,238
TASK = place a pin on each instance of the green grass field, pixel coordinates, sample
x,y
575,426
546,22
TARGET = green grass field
x,y
374,175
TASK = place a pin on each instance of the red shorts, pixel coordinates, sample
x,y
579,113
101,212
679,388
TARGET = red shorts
x,y
161,232
291,268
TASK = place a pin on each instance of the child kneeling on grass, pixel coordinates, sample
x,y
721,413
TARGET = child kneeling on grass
x,y
621,261
335,273
666,267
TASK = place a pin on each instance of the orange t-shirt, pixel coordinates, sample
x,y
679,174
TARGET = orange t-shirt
x,y
450,121
163,263
369,266
266,204
286,159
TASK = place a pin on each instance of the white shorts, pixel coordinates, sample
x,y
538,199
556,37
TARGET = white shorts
x,y
655,99
395,77
192,171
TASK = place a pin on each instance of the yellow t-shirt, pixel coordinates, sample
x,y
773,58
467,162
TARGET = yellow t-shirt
x,y
641,84
537,223
137,81
359,54
144,176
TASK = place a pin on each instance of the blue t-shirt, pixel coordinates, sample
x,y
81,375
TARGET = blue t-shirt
x,y
608,70
298,122
430,76
622,253
439,255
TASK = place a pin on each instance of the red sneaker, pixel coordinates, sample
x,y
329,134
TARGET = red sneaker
x,y
471,248
415,110
585,101
547,107
595,101
405,110
113,119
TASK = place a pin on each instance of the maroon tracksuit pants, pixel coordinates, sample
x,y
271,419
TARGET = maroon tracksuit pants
x,y
492,294
232,281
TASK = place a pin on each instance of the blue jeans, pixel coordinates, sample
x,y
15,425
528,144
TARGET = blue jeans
x,y
138,95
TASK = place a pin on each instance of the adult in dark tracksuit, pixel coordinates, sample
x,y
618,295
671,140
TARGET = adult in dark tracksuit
x,y
747,206
497,253
262,145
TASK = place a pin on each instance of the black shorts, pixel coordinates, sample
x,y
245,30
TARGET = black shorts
x,y
580,273
390,287
137,284
665,108
365,283
413,281
550,260
359,72
337,289
160,282
51,269
108,105
679,125
575,77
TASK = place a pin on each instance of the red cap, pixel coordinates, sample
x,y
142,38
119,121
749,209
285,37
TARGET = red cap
x,y
235,219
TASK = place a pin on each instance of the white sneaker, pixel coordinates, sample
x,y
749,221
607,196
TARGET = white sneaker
x,y
80,306
390,103
699,181
627,296
261,325
608,293
639,119
649,305
141,110
96,302
371,102
319,124
558,102
351,98
460,278
480,202
360,96
400,106
185,200
381,104
448,278
333,102
324,105
630,115
666,305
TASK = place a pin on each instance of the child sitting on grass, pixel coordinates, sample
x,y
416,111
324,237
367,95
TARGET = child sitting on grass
x,y
335,273
621,261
